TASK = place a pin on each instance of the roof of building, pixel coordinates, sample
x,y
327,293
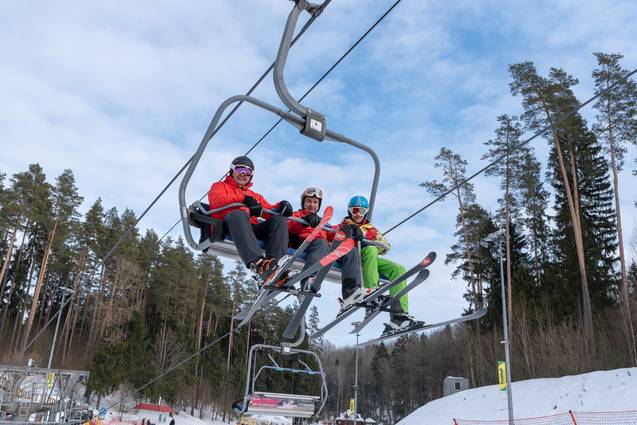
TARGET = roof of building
x,y
163,408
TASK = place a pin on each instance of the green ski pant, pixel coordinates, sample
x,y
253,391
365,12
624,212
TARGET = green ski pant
x,y
373,265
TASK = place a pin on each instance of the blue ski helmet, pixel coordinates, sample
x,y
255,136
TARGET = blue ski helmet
x,y
356,202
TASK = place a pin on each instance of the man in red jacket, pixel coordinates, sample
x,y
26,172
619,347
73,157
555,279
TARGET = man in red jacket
x,y
242,223
311,199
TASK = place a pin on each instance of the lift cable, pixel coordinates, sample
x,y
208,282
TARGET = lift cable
x,y
501,157
325,74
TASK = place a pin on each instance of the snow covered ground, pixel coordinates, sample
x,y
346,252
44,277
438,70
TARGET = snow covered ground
x,y
602,391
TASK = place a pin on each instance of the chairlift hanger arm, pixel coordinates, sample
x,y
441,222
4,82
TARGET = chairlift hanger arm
x,y
310,123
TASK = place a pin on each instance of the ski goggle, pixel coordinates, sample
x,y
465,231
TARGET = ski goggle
x,y
313,192
357,210
242,169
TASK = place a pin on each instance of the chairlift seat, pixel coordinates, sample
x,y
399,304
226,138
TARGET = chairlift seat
x,y
298,406
213,229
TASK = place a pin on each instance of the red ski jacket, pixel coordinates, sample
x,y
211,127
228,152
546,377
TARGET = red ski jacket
x,y
304,231
228,192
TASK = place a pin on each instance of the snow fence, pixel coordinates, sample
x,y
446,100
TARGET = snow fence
x,y
570,418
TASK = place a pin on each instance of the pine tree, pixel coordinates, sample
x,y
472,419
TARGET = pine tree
x,y
509,168
616,125
534,201
546,102
454,172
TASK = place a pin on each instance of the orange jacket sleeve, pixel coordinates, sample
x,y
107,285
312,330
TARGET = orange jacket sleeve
x,y
295,227
220,196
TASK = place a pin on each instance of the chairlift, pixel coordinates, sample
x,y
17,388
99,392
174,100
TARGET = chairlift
x,y
258,402
310,123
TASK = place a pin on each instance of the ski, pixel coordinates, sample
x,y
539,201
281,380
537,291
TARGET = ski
x,y
277,274
343,249
472,316
264,293
305,302
424,263
386,304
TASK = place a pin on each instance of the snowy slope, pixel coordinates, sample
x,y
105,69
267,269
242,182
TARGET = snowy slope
x,y
614,390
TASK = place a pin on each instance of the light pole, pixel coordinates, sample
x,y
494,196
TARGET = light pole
x,y
355,324
499,237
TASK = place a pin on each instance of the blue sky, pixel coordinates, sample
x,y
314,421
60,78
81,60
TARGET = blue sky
x,y
122,94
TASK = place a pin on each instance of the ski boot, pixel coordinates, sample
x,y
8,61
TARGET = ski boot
x,y
376,304
264,269
355,297
400,322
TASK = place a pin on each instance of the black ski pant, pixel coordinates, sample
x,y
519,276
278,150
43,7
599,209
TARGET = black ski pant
x,y
273,231
316,250
350,272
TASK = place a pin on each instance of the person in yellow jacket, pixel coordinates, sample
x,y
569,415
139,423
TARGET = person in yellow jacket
x,y
373,265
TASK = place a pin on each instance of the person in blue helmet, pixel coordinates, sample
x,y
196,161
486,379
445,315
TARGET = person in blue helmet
x,y
373,265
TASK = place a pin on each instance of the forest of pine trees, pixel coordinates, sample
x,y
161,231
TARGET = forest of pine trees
x,y
572,289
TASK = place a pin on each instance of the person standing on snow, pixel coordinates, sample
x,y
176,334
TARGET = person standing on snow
x,y
242,223
311,199
373,265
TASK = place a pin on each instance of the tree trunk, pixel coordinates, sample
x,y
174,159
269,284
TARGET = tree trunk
x,y
13,286
17,331
70,314
577,232
38,285
586,299
468,250
109,313
628,321
98,306
507,239
579,245
7,258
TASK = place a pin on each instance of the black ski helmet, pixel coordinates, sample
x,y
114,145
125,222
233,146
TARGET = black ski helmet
x,y
243,160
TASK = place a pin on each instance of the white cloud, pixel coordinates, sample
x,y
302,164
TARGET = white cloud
x,y
122,94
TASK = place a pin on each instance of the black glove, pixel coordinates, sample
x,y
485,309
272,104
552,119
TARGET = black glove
x,y
312,219
285,208
255,208
352,231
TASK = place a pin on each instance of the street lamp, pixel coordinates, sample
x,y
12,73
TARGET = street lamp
x,y
355,324
498,237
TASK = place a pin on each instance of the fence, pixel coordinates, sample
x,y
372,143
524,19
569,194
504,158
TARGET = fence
x,y
569,418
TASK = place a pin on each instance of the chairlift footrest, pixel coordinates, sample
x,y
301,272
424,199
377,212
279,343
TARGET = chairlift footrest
x,y
296,292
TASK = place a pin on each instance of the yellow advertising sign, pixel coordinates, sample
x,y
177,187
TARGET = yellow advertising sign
x,y
502,375
351,406
50,379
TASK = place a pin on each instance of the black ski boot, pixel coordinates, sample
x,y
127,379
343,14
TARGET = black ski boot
x,y
400,322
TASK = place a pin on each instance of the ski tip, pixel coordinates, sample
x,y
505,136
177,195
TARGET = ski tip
x,y
430,258
329,211
424,274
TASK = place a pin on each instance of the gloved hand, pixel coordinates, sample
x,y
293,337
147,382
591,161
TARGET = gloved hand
x,y
352,231
285,208
255,208
312,219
